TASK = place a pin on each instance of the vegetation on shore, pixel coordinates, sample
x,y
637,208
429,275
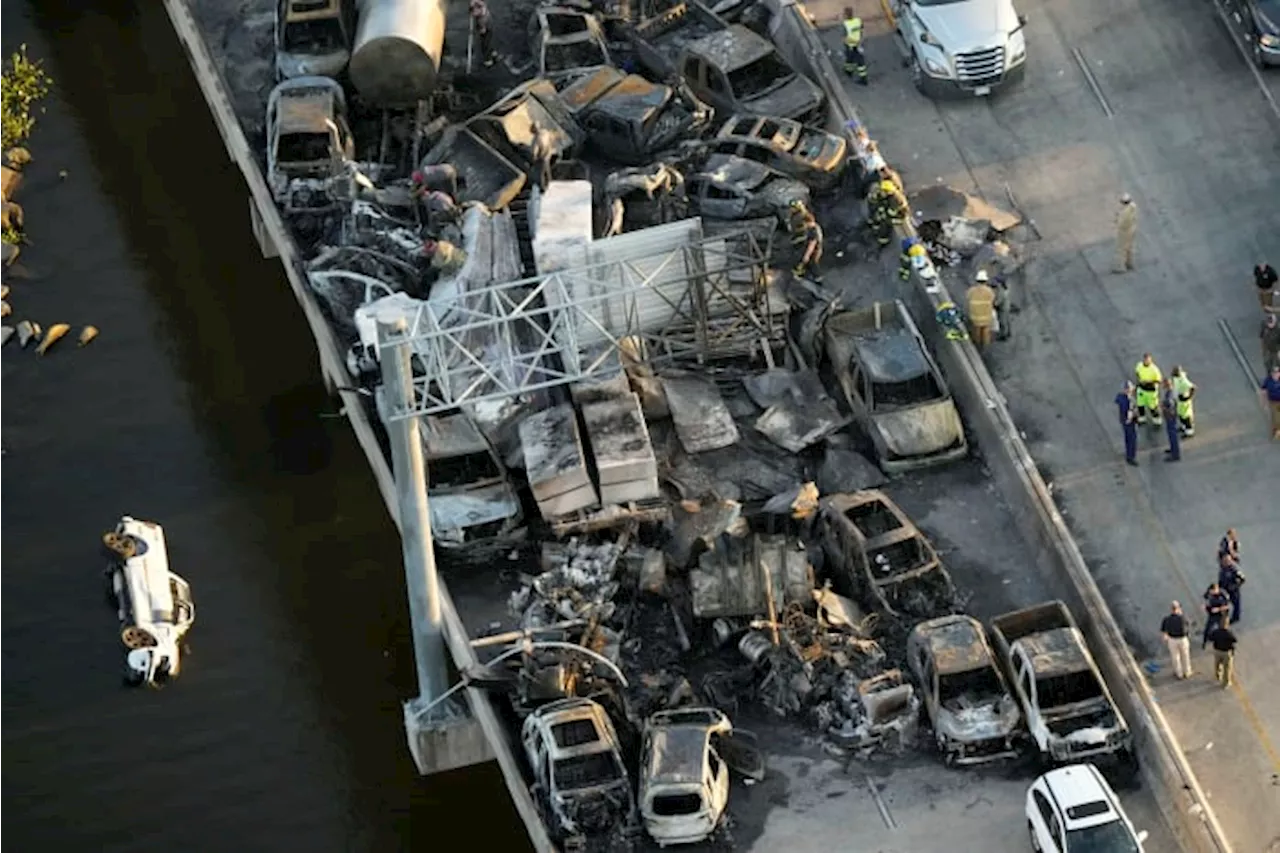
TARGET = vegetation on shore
x,y
24,85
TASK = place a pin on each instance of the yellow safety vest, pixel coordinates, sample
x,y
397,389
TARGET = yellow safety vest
x,y
1182,387
853,32
1148,375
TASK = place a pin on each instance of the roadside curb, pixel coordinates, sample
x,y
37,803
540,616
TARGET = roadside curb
x,y
1163,764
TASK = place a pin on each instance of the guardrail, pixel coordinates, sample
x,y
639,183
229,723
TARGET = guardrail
x,y
268,222
1164,767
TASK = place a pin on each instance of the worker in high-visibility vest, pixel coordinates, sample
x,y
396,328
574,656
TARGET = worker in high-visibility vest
x,y
855,62
1148,381
1185,390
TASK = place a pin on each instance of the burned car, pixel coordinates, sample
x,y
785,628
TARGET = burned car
x,y
564,40
579,778
806,153
627,118
974,717
309,145
736,188
894,388
684,781
313,38
880,556
739,72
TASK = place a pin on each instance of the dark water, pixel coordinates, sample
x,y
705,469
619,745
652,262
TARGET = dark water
x,y
198,406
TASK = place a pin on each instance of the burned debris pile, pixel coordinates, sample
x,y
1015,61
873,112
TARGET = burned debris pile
x,y
604,283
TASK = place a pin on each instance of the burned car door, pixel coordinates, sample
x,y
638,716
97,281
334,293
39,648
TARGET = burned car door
x,y
740,752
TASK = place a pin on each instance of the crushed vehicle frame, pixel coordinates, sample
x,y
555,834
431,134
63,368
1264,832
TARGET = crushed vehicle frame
x,y
1067,705
580,780
732,188
867,530
974,716
311,113
566,40
312,37
894,388
802,152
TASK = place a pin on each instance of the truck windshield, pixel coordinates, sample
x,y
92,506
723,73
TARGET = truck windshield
x,y
303,147
763,75
895,395
586,771
1112,837
1058,690
314,36
972,686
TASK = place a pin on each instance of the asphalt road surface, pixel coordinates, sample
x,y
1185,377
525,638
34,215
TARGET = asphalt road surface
x,y
1186,130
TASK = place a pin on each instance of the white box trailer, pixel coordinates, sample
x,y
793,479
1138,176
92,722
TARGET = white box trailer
x,y
154,604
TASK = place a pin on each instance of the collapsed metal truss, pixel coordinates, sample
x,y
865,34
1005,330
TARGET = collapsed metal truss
x,y
703,300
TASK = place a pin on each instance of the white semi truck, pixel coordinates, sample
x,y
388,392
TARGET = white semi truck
x,y
153,603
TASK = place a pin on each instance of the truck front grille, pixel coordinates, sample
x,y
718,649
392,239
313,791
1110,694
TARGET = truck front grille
x,y
981,67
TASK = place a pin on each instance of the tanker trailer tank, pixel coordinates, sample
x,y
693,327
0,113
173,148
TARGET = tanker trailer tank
x,y
397,50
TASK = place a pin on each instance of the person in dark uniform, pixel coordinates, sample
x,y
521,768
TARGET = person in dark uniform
x,y
1229,544
1230,579
1216,605
1224,652
1174,631
1169,411
1265,280
1129,422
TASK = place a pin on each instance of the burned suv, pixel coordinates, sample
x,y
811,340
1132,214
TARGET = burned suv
x,y
579,778
881,557
308,144
974,717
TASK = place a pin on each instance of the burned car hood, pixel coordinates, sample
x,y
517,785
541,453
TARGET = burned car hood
x,y
919,430
796,98
595,810
982,719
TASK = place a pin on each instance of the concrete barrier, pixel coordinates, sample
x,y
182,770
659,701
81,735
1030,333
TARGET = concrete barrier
x,y
1057,556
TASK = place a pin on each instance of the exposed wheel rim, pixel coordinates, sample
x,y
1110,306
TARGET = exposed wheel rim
x,y
137,638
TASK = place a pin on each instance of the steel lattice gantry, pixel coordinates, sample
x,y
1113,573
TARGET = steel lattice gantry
x,y
696,300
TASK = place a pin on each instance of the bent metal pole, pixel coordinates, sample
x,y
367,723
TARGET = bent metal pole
x,y
423,585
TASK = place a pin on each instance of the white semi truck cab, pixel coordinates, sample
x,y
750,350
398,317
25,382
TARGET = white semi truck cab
x,y
967,48
154,604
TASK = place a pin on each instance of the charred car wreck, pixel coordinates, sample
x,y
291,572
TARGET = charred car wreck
x,y
602,337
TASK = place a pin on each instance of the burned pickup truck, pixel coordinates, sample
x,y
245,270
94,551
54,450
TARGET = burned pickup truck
x,y
1067,705
974,718
565,39
727,65
878,555
893,387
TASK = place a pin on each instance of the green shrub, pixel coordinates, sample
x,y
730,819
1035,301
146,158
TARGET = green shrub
x,y
24,84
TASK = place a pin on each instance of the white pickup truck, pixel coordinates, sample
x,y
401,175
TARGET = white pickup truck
x,y
961,47
153,603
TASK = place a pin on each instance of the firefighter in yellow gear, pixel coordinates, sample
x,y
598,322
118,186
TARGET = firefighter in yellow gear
x,y
855,61
1185,391
1148,379
798,218
886,208
808,266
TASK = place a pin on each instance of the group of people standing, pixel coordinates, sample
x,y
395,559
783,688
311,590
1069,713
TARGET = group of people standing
x,y
1222,609
1152,398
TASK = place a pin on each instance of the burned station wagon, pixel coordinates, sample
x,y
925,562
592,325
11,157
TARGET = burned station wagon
x,y
811,155
579,778
974,717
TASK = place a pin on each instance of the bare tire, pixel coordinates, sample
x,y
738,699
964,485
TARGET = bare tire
x,y
122,546
134,637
